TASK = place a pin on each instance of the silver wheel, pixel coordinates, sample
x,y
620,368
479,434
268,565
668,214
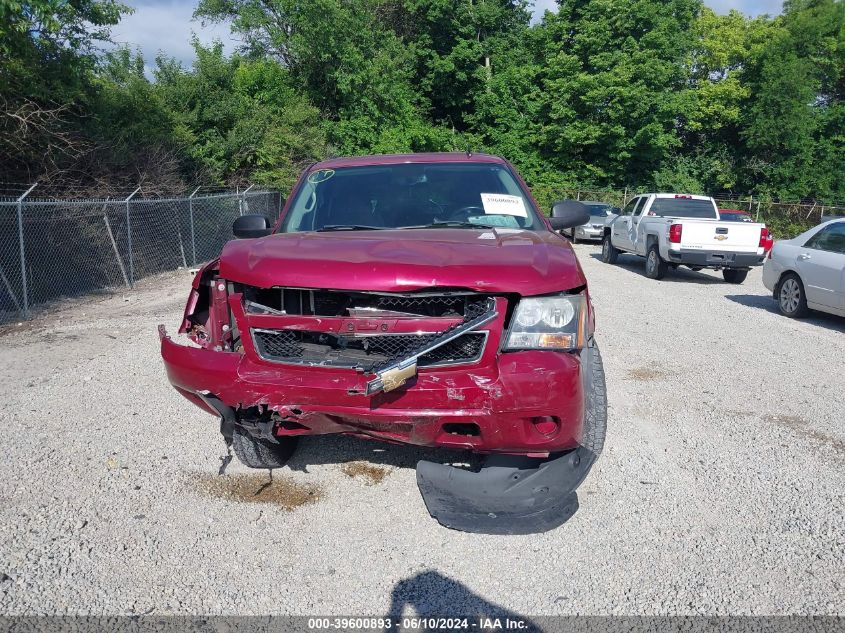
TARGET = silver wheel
x,y
790,295
651,262
605,249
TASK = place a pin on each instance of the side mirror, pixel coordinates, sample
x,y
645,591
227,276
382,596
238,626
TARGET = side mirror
x,y
246,227
569,213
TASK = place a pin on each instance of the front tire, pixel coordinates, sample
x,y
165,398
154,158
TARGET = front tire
x,y
655,267
609,253
255,452
734,276
792,301
595,410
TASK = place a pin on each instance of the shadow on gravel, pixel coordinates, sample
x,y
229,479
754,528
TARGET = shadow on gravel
x,y
765,302
355,453
637,265
431,593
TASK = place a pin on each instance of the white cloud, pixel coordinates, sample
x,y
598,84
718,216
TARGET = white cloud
x,y
167,26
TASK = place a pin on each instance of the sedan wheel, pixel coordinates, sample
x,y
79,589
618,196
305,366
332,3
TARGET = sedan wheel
x,y
791,299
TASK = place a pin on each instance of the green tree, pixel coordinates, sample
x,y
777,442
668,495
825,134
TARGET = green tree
x,y
792,120
239,120
615,80
48,52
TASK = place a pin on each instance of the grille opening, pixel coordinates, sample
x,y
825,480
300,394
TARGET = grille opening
x,y
462,428
364,353
295,301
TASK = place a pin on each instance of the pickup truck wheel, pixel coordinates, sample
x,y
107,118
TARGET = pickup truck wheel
x,y
595,415
254,452
655,267
609,253
733,276
791,298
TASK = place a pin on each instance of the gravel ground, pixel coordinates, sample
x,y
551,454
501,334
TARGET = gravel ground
x,y
721,489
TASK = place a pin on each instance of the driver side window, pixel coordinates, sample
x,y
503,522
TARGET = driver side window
x,y
640,206
628,209
831,238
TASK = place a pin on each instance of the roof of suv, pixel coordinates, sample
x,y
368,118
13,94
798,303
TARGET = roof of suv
x,y
396,159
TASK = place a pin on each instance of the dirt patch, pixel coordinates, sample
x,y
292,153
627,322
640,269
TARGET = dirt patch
x,y
801,426
644,373
260,488
371,475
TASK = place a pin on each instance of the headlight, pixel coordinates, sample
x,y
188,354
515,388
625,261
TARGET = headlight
x,y
548,323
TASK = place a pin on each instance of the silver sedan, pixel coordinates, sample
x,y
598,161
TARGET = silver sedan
x,y
600,213
808,271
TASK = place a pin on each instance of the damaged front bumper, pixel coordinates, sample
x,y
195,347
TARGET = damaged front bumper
x,y
492,407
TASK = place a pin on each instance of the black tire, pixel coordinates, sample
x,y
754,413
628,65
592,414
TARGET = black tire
x,y
734,276
791,298
655,267
609,253
254,452
595,415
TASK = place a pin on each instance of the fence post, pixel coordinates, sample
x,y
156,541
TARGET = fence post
x,y
113,243
191,216
625,197
242,199
24,289
129,239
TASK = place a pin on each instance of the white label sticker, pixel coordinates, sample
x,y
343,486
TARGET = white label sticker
x,y
503,204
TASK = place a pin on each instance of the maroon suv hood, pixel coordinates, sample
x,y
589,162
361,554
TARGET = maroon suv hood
x,y
491,260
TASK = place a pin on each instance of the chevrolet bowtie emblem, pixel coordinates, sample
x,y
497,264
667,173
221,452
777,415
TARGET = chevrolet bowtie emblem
x,y
721,238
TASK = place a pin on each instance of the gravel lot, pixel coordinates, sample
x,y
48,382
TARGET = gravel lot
x,y
721,489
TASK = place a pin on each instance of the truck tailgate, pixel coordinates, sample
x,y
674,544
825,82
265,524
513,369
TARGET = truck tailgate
x,y
735,237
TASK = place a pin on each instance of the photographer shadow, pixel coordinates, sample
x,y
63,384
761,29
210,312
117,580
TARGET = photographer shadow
x,y
431,594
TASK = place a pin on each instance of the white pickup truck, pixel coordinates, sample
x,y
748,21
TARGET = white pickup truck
x,y
672,229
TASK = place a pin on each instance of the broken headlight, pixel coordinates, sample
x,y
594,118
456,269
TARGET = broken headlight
x,y
554,323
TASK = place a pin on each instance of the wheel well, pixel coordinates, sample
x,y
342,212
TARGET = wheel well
x,y
606,230
649,240
780,279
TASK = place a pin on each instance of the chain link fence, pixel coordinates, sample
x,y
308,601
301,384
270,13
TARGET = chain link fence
x,y
50,249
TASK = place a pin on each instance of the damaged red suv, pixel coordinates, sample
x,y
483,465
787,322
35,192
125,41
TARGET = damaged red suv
x,y
422,299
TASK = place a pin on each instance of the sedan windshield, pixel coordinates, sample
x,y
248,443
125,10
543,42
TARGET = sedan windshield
x,y
600,210
412,196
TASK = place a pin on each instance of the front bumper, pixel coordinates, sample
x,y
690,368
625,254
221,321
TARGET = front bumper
x,y
498,399
715,258
589,233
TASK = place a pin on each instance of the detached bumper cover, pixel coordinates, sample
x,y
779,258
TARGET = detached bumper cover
x,y
510,495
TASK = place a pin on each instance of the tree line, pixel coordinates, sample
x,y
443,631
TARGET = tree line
x,y
648,94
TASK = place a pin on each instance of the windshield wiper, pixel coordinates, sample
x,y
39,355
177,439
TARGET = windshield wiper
x,y
349,227
450,224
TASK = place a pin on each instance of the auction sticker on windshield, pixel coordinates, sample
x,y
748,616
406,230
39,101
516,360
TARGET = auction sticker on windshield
x,y
503,204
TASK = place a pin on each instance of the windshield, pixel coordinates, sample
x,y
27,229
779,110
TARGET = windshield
x,y
682,208
600,210
735,216
410,195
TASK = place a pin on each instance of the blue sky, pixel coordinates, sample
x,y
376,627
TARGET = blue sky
x,y
167,25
